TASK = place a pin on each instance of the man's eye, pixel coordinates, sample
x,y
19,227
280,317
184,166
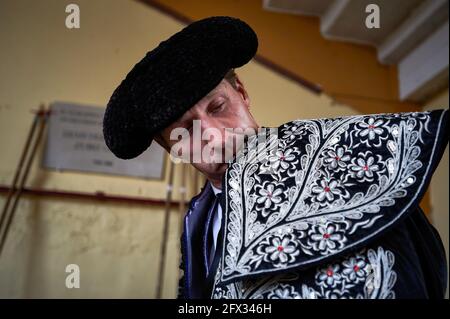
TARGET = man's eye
x,y
217,108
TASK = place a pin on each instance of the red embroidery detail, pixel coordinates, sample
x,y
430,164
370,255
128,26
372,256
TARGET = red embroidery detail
x,y
326,189
326,235
280,248
330,272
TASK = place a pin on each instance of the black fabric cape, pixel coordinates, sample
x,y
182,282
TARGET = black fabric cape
x,y
325,208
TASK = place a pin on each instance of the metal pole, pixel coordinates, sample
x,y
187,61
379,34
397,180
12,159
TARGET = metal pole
x,y
12,189
162,258
182,202
8,217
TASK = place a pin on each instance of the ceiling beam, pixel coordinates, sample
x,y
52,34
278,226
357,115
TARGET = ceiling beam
x,y
425,70
421,23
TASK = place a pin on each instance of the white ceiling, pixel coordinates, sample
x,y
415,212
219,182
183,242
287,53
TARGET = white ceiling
x,y
405,26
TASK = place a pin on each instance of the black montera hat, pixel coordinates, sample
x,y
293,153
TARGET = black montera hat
x,y
172,78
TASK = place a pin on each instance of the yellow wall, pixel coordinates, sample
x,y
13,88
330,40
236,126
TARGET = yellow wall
x,y
116,246
439,184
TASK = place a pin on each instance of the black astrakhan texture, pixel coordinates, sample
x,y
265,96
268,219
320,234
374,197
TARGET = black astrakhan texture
x,y
172,78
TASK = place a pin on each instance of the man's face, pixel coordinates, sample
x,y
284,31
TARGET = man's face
x,y
225,107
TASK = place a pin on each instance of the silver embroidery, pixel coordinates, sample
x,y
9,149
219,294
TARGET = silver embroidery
x,y
368,274
341,174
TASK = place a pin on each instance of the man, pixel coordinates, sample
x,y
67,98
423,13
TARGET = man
x,y
323,208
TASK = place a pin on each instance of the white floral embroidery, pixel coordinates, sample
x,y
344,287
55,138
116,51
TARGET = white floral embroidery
x,y
279,249
326,239
354,269
329,277
284,292
321,201
368,274
281,160
372,129
364,167
293,132
336,159
269,196
327,190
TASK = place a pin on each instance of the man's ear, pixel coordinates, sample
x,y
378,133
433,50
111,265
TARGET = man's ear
x,y
242,91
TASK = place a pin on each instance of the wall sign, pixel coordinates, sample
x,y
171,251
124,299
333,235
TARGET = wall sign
x,y
75,142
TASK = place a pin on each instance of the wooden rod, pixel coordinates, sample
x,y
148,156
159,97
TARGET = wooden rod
x,y
97,196
165,235
12,189
9,216
182,202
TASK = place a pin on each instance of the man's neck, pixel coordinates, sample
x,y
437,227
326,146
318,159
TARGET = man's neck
x,y
216,184
216,190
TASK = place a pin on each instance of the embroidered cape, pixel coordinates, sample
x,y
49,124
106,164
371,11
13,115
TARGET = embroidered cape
x,y
318,198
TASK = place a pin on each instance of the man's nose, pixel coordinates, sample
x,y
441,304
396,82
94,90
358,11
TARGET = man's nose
x,y
211,125
208,122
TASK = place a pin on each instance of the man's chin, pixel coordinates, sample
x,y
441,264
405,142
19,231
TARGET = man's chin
x,y
221,167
